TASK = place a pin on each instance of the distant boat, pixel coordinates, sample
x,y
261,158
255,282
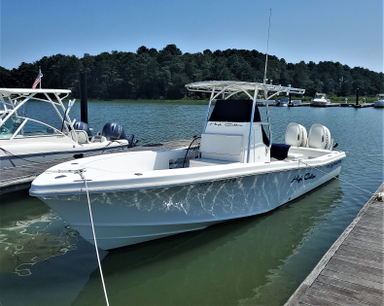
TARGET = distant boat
x,y
380,101
286,102
320,99
282,102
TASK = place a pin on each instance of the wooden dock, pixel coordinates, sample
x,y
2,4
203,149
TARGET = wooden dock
x,y
21,177
351,272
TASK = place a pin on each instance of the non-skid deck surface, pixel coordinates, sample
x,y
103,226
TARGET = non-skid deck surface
x,y
351,272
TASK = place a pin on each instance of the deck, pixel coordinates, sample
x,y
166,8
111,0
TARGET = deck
x,y
351,272
19,178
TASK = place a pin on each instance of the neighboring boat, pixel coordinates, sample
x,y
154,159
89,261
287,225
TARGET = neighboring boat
x,y
282,102
25,140
286,102
235,172
320,99
380,101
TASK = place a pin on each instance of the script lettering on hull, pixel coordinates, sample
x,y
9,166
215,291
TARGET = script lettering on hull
x,y
299,178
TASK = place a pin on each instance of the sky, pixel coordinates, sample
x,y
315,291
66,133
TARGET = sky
x,y
345,31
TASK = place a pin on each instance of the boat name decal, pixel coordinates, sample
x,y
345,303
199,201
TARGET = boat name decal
x,y
218,182
307,176
333,164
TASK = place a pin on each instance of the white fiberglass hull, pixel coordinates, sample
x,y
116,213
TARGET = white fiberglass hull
x,y
147,205
378,104
320,103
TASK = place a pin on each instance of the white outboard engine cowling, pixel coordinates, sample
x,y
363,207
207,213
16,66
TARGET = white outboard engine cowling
x,y
296,135
320,137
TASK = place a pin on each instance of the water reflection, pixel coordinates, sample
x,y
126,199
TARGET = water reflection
x,y
231,263
29,238
33,242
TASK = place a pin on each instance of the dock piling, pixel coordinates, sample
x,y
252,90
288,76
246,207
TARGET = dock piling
x,y
84,97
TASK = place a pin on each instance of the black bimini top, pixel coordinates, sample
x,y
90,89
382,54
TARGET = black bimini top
x,y
234,111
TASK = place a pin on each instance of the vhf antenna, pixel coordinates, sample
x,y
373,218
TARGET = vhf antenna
x,y
266,55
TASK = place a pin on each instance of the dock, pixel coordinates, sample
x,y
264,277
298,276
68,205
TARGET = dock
x,y
363,105
21,177
298,104
351,272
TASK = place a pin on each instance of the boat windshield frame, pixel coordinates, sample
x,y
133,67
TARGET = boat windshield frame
x,y
12,100
226,89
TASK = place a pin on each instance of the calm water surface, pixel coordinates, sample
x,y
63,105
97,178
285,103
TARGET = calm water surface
x,y
259,260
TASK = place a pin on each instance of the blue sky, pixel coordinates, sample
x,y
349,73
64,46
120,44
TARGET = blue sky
x,y
345,31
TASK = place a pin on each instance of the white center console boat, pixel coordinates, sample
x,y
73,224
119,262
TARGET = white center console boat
x,y
235,172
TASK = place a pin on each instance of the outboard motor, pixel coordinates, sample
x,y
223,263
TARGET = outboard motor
x,y
296,135
79,125
113,131
320,137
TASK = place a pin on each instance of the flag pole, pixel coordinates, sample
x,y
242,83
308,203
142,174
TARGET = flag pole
x,y
39,74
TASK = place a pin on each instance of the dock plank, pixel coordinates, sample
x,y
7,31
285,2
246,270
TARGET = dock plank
x,y
356,269
351,272
361,293
353,253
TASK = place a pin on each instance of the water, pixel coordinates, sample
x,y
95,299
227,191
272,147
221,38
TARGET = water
x,y
259,260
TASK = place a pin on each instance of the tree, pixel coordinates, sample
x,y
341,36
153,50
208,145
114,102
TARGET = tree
x,y
151,74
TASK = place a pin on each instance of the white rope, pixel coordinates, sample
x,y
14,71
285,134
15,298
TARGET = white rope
x,y
94,235
338,178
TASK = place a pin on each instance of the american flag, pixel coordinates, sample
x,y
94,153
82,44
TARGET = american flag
x,y
38,79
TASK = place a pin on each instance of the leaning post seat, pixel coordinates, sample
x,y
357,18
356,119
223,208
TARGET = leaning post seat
x,y
226,135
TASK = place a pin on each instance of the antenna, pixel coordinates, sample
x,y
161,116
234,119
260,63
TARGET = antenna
x,y
266,55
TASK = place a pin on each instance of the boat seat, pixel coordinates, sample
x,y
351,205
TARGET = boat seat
x,y
222,147
202,162
279,151
82,137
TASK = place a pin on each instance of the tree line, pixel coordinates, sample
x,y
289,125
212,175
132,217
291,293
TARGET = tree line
x,y
153,74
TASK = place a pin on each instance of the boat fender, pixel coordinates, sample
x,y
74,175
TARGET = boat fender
x,y
113,131
320,137
296,135
79,125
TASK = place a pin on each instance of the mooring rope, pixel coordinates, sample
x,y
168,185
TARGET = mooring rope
x,y
338,178
81,173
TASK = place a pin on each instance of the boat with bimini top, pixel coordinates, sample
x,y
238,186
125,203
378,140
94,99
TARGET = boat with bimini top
x,y
26,139
233,171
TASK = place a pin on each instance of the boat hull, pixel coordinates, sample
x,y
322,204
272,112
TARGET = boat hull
x,y
123,218
320,103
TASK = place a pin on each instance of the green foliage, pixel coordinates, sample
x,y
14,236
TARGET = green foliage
x,y
152,74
